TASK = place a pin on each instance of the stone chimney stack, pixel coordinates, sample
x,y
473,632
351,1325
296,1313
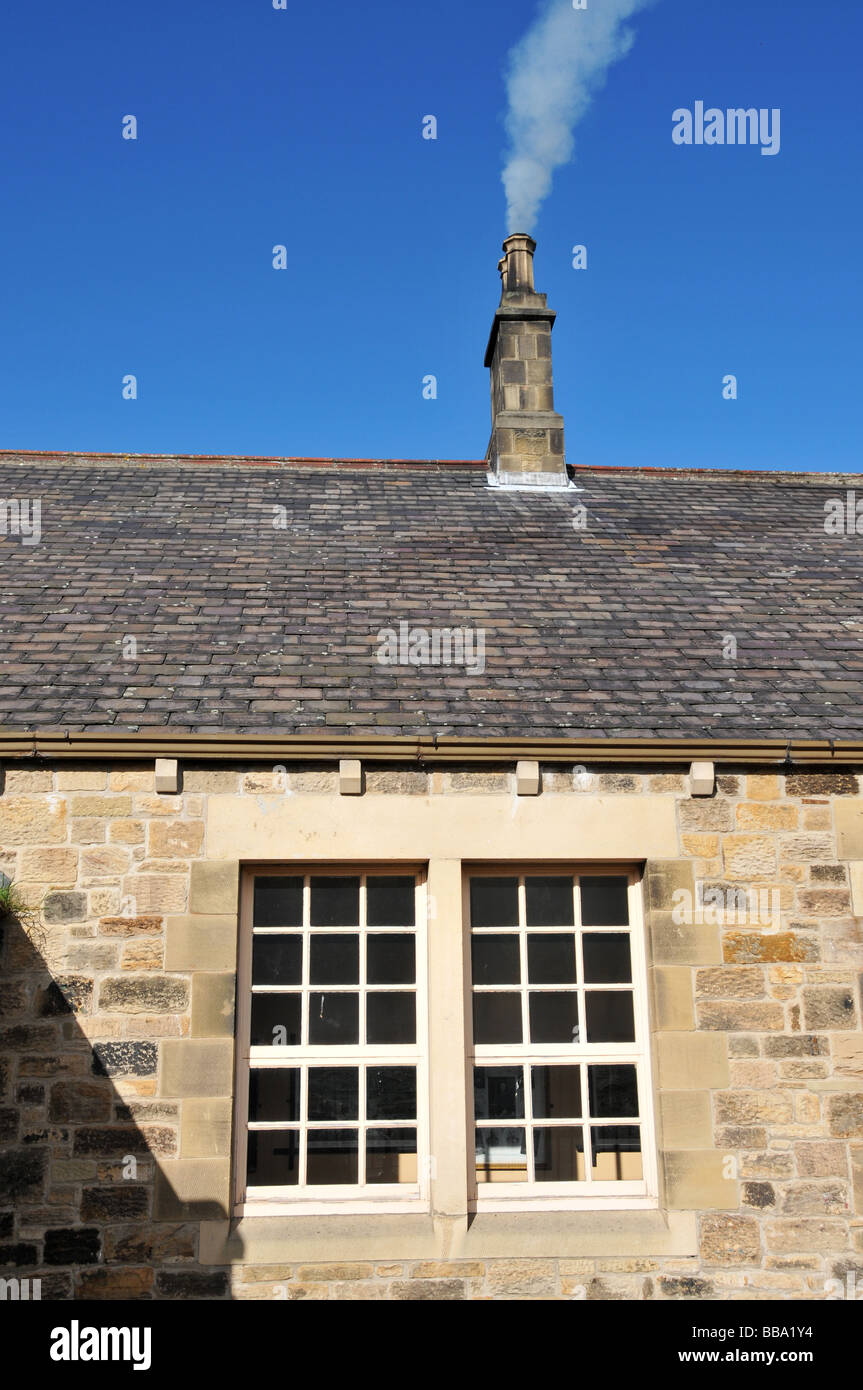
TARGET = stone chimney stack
x,y
526,445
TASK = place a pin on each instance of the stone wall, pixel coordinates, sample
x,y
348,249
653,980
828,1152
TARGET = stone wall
x,y
116,1040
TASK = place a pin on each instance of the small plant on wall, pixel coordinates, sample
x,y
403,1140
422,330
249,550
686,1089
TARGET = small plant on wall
x,y
12,901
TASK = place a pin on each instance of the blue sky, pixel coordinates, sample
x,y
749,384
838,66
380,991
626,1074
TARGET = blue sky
x,y
303,127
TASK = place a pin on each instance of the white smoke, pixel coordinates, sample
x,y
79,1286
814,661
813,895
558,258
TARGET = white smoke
x,y
552,74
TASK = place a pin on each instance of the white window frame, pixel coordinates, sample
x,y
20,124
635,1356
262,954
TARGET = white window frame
x,y
296,1200
589,1194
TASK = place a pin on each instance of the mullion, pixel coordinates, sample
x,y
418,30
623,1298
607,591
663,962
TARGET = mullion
x,y
527,1082
361,1126
364,947
522,957
307,954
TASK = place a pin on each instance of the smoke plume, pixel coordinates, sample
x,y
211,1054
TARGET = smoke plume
x,y
552,75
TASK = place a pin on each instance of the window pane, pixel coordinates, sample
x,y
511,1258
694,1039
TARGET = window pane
x,y
554,1018
556,1093
500,1155
558,1154
391,1155
495,960
334,960
497,1018
390,900
613,1091
551,960
275,1020
606,958
334,1019
273,1157
335,902
391,1093
331,1156
498,1093
277,960
278,902
391,1018
494,902
616,1153
549,902
609,1016
391,960
274,1093
604,901
334,1093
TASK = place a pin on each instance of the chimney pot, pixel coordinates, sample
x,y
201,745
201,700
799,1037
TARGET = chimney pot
x,y
516,265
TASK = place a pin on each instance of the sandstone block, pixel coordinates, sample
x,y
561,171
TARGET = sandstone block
x,y
815,1199
531,1278
196,1067
128,1284
131,926
437,1290
82,779
206,1128
753,1107
109,807
749,857
21,779
696,1180
175,839
213,1005
214,887
131,779
824,902
683,944
763,787
762,815
192,1189
64,907
672,994
820,1236
845,1115
829,1008
59,867
144,994
775,1166
126,832
686,1120
107,862
757,947
201,943
143,955
692,1061
730,982
730,1240
741,1018
32,820
156,893
705,815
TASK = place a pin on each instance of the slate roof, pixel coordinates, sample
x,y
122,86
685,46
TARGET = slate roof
x,y
615,630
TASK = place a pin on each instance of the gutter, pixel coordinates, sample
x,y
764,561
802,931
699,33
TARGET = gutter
x,y
426,749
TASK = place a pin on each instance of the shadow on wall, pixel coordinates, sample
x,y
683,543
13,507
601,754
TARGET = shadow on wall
x,y
78,1180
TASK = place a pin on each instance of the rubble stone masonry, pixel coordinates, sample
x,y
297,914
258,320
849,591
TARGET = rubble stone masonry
x,y
117,1024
